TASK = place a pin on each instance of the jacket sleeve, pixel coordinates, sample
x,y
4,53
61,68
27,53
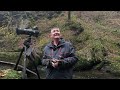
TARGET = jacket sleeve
x,y
46,61
69,61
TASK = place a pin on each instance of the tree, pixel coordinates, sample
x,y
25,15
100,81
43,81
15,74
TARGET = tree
x,y
69,15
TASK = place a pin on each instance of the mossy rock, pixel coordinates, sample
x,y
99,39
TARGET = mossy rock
x,y
84,64
9,56
10,74
114,68
102,65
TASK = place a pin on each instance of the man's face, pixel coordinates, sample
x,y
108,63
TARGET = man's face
x,y
55,33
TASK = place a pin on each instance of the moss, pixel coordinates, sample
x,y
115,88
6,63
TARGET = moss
x,y
84,64
115,68
9,56
74,26
98,50
102,64
11,74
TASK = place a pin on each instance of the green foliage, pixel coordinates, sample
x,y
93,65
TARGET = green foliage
x,y
98,18
117,58
9,40
83,37
53,14
11,74
74,26
114,68
98,51
84,64
10,56
102,64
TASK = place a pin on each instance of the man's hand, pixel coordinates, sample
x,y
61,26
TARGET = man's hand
x,y
55,63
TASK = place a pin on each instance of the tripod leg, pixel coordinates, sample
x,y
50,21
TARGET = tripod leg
x,y
34,66
24,63
19,59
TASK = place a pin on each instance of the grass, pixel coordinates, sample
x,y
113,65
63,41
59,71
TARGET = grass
x,y
10,56
11,74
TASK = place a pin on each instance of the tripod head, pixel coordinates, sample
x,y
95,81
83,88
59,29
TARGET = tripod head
x,y
27,42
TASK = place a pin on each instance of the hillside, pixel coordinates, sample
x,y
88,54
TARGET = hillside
x,y
94,34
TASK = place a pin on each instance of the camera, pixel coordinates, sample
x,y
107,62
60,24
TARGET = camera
x,y
28,31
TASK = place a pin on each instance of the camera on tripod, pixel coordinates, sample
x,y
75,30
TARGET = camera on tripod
x,y
28,31
27,50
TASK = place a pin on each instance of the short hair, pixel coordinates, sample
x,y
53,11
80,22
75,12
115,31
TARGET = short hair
x,y
55,28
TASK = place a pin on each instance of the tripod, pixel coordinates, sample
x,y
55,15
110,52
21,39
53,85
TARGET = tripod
x,y
27,44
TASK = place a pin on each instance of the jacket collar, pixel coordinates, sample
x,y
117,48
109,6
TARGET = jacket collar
x,y
61,43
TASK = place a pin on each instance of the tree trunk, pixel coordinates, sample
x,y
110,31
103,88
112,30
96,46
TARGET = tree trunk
x,y
69,15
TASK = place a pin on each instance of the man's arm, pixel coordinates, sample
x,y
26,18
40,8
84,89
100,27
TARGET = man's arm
x,y
46,61
69,61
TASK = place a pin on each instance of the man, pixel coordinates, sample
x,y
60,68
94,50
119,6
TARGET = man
x,y
59,57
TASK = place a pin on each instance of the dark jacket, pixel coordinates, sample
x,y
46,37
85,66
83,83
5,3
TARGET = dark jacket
x,y
65,52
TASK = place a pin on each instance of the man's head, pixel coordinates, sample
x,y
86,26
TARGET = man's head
x,y
55,33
